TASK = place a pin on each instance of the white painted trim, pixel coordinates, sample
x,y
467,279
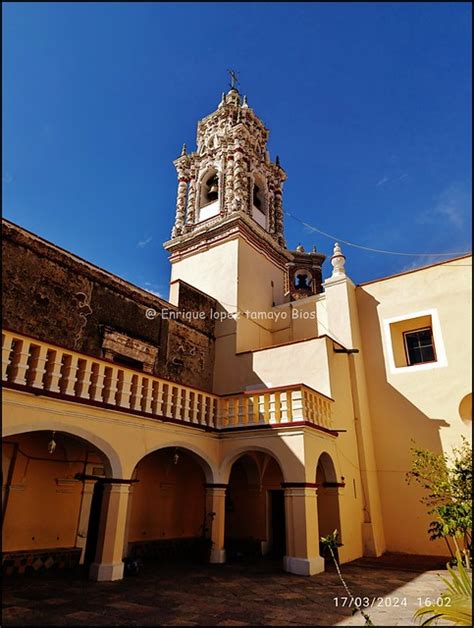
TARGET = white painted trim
x,y
106,572
441,358
303,566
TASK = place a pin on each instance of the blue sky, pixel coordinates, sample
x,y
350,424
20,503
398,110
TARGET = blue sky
x,y
368,106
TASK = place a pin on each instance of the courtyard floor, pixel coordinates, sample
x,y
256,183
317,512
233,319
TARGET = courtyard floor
x,y
241,594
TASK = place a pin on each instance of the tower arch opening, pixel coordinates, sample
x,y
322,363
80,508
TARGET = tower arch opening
x,y
259,201
209,194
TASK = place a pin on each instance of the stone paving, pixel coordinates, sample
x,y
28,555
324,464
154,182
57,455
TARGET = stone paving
x,y
257,594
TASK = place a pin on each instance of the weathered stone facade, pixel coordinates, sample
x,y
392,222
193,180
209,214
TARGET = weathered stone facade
x,y
52,295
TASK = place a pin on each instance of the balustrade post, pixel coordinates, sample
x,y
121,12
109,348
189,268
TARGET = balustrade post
x,y
6,354
147,396
84,379
53,370
297,405
124,389
110,385
69,375
21,354
98,377
136,392
38,368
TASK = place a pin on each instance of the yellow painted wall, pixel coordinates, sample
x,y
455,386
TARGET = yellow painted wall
x,y
168,500
43,502
256,273
303,362
415,406
213,271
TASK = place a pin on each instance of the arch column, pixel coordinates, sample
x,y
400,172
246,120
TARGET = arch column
x,y
84,514
180,217
108,563
302,530
215,511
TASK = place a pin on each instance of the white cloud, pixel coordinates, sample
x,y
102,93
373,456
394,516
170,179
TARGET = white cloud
x,y
143,243
449,209
386,179
152,288
423,260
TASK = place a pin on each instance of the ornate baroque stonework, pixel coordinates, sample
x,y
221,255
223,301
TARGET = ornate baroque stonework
x,y
233,162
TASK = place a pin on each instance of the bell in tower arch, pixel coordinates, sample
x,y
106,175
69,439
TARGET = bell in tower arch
x,y
212,191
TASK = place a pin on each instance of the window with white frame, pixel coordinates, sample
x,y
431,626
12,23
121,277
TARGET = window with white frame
x,y
419,346
414,342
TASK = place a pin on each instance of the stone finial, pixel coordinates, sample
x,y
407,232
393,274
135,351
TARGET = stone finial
x,y
233,97
338,261
223,100
183,151
300,248
314,249
277,161
245,104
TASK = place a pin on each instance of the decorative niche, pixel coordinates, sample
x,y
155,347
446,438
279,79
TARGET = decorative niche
x,y
132,352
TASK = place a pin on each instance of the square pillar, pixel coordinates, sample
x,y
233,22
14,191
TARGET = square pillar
x,y
215,513
108,563
302,533
84,514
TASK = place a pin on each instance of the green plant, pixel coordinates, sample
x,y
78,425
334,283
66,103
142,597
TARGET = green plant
x,y
455,603
330,543
448,481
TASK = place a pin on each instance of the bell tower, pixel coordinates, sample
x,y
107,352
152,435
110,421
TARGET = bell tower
x,y
229,173
227,239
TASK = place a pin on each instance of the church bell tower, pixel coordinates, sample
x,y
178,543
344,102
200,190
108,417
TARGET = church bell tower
x,y
230,173
227,239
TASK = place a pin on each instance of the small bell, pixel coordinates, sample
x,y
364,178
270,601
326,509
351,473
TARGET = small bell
x,y
213,189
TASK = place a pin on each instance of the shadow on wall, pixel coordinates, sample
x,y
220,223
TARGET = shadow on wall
x,y
398,425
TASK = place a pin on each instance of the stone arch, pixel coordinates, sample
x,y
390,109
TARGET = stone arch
x,y
197,454
259,191
168,511
259,201
51,471
205,182
255,507
226,465
329,518
114,466
303,279
327,464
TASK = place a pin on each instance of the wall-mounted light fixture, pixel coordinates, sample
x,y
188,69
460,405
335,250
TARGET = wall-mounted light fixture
x,y
52,444
175,456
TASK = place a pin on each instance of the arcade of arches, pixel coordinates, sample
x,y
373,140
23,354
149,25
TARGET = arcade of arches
x,y
62,506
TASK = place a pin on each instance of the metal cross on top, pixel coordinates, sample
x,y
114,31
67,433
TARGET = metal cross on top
x,y
233,79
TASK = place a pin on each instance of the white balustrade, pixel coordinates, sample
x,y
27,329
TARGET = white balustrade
x,y
39,365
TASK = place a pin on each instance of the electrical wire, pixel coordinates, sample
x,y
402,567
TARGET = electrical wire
x,y
371,249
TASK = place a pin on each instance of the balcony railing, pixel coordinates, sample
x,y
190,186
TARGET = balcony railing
x,y
37,365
